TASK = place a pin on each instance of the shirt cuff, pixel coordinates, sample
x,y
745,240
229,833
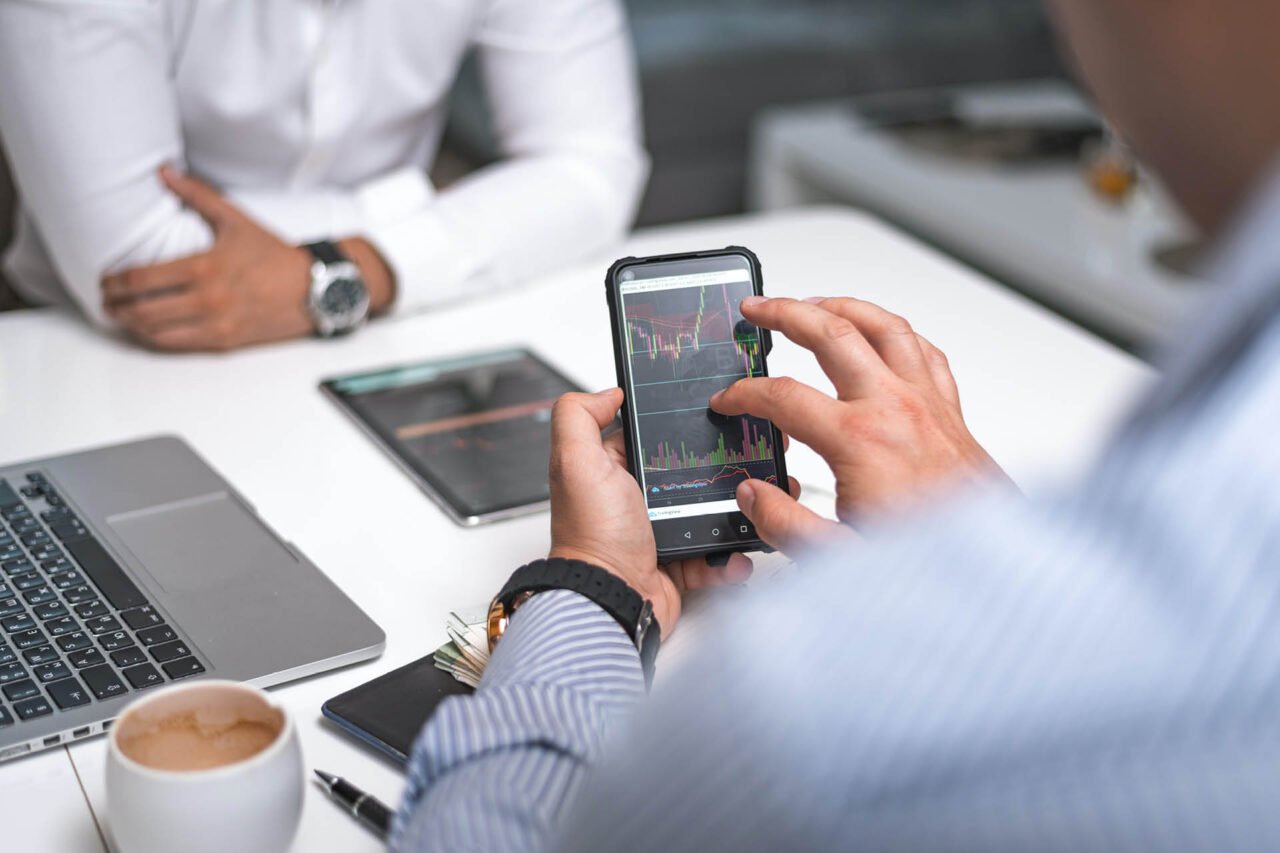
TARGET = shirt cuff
x,y
563,670
402,222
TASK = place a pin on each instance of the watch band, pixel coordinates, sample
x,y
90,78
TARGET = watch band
x,y
615,597
326,252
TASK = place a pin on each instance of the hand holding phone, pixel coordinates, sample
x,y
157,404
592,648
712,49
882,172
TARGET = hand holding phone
x,y
679,337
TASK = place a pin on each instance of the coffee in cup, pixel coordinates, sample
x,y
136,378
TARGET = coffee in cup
x,y
204,766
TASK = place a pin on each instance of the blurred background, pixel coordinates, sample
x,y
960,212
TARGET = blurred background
x,y
953,119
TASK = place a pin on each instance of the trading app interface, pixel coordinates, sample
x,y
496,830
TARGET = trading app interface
x,y
687,339
477,428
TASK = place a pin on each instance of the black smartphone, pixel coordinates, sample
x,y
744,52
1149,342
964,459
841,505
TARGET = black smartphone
x,y
679,336
388,712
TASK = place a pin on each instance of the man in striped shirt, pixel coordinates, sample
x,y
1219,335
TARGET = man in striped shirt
x,y
1098,669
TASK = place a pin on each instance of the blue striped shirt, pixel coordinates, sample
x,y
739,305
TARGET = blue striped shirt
x,y
1098,669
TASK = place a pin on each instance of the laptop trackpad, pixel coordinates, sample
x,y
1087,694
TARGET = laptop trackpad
x,y
200,543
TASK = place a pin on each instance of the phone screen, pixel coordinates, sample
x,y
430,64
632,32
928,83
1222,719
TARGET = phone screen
x,y
685,338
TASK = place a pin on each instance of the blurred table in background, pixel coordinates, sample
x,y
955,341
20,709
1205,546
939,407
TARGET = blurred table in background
x,y
1118,268
1040,393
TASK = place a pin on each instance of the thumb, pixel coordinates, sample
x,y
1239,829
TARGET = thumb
x,y
781,520
581,417
199,196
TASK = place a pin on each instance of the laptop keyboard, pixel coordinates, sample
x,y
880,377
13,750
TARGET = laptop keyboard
x,y
74,628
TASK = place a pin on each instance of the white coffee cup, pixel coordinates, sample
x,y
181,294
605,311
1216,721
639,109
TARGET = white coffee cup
x,y
246,804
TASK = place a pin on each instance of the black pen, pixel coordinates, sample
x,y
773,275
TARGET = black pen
x,y
363,807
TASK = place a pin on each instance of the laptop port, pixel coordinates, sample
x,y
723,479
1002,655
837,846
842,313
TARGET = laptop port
x,y
53,740
107,724
80,732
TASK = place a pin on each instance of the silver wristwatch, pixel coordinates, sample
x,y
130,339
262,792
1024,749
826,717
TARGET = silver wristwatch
x,y
339,299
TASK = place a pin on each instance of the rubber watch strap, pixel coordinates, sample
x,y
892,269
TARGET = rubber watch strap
x,y
614,596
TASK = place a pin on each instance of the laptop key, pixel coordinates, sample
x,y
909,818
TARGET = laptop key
x,y
5,592
8,497
169,651
24,524
128,657
49,610
35,538
75,642
10,606
66,580
41,654
10,552
102,682
20,622
51,672
86,657
6,719
55,565
141,617
23,583
7,655
17,567
102,624
158,634
143,675
32,708
69,533
40,595
91,609
77,594
49,553
182,667
65,625
68,694
106,574
19,690
115,640
28,639
12,672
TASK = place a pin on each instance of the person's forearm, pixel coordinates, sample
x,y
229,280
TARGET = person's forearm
x,y
494,770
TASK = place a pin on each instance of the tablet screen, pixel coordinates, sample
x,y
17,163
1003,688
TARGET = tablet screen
x,y
474,432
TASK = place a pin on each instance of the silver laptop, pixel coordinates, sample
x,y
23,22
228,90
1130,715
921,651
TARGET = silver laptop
x,y
130,567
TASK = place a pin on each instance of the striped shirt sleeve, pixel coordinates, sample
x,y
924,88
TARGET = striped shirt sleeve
x,y
493,771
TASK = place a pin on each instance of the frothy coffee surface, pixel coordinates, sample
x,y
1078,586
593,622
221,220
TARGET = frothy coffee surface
x,y
185,742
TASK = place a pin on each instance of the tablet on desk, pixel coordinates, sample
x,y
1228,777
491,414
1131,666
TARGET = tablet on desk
x,y
474,432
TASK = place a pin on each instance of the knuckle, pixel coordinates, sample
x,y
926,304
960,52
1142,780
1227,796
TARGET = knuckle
x,y
895,325
837,330
784,389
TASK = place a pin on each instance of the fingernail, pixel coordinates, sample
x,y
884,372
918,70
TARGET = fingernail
x,y
814,300
746,497
606,392
752,301
738,574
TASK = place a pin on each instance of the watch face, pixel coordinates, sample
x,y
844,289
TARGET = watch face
x,y
342,297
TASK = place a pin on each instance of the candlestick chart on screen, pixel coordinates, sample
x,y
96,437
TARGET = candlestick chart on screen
x,y
685,344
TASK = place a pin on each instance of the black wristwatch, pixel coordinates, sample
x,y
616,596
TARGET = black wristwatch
x,y
615,597
338,300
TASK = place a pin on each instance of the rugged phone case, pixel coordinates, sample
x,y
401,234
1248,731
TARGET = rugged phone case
x,y
620,355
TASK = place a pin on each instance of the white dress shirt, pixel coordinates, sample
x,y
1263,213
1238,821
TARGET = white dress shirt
x,y
319,118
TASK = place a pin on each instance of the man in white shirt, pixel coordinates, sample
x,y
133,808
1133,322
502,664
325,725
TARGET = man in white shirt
x,y
304,121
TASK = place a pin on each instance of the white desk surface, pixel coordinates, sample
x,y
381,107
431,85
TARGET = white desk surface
x,y
1038,392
